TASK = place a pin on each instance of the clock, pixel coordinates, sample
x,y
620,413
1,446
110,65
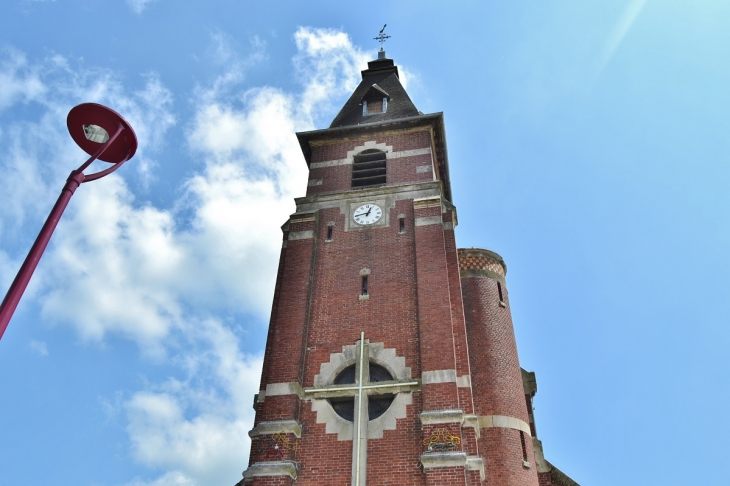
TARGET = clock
x,y
367,214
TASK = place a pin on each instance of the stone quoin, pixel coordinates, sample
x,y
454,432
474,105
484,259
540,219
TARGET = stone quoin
x,y
391,356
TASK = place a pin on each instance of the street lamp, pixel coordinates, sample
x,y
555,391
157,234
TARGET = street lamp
x,y
90,125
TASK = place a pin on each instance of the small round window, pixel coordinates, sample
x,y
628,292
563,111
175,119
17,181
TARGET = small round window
x,y
377,404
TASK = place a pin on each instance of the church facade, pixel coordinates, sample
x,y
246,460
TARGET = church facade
x,y
391,356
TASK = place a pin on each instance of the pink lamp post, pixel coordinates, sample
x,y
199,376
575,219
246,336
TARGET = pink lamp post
x,y
89,125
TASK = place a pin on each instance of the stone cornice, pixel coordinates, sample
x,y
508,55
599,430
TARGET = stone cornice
x,y
430,460
432,188
277,427
272,468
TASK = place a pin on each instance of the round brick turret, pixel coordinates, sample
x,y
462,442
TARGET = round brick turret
x,y
499,400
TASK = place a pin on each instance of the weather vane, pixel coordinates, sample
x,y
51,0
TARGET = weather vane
x,y
382,37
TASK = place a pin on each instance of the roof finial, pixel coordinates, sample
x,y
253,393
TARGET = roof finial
x,y
381,38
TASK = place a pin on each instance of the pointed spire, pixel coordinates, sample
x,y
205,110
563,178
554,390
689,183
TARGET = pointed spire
x,y
379,97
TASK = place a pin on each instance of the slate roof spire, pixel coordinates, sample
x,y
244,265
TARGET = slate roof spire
x,y
379,81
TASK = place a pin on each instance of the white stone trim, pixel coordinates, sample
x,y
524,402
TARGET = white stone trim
x,y
330,163
389,154
409,153
468,420
314,182
472,421
277,389
390,194
442,417
386,357
378,354
422,169
334,424
431,460
542,465
301,235
271,468
427,220
428,202
476,463
438,376
503,421
448,226
387,421
451,417
370,144
463,381
277,427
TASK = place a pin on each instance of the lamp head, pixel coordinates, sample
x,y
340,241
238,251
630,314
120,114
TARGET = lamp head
x,y
91,125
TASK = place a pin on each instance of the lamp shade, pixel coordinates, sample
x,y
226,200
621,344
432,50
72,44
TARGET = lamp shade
x,y
91,125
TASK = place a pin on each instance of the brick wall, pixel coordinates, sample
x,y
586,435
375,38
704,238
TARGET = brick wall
x,y
414,305
401,170
495,370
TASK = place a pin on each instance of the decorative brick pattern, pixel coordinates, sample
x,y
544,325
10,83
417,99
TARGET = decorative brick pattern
x,y
473,259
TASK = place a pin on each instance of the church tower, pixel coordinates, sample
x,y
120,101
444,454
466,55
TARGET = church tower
x,y
391,357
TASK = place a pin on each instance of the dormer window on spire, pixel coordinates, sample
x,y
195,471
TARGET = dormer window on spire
x,y
373,107
375,101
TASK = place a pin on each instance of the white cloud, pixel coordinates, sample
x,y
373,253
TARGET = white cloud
x,y
19,81
197,429
253,169
39,347
55,87
174,478
155,275
110,266
138,6
329,67
224,54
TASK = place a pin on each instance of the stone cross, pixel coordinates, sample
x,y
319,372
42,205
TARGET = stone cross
x,y
360,391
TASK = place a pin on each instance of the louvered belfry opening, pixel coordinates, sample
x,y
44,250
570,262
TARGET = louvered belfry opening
x,y
368,168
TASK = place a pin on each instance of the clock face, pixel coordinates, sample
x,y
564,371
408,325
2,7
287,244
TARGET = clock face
x,y
367,214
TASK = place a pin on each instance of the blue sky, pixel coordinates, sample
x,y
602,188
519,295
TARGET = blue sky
x,y
588,146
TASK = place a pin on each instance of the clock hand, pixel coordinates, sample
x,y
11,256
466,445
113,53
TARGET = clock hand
x,y
366,214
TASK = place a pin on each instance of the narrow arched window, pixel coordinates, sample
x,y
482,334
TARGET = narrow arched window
x,y
368,168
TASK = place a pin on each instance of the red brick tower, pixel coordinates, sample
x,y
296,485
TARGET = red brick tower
x,y
391,358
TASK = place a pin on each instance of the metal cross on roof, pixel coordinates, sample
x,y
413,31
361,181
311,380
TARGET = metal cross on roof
x,y
382,37
360,391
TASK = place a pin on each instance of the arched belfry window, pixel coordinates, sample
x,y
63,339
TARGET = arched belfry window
x,y
368,168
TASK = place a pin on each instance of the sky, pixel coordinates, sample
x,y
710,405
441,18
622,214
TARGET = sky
x,y
588,146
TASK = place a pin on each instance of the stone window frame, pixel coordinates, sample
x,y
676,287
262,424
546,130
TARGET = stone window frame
x,y
378,354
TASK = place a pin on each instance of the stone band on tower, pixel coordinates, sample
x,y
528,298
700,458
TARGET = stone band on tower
x,y
391,357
